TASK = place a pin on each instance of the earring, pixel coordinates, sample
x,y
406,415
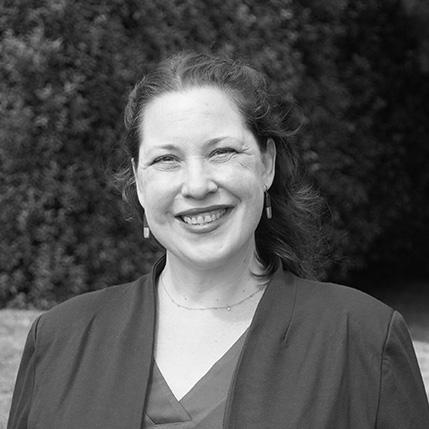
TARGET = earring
x,y
146,230
268,209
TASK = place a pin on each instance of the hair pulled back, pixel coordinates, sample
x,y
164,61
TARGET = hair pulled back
x,y
292,235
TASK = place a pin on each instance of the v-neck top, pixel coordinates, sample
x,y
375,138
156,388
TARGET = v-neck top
x,y
203,406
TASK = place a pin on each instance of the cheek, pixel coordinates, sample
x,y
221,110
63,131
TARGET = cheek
x,y
246,173
248,188
153,191
252,163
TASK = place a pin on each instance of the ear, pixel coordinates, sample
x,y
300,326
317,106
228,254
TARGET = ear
x,y
269,161
133,164
138,190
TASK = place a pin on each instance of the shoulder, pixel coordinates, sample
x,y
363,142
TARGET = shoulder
x,y
82,309
340,299
340,308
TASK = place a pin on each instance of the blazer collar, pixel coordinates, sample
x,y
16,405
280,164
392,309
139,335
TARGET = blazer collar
x,y
128,322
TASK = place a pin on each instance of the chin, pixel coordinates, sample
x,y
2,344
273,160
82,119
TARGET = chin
x,y
204,262
214,257
201,257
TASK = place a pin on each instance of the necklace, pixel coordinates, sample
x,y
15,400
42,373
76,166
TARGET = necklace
x,y
221,307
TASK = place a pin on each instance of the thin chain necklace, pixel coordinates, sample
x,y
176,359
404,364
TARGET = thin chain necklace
x,y
221,307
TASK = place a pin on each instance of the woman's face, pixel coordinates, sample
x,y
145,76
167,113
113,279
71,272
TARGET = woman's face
x,y
201,176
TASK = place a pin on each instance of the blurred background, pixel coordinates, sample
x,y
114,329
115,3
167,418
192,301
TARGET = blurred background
x,y
357,70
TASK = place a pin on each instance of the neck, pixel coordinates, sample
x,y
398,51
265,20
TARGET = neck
x,y
212,286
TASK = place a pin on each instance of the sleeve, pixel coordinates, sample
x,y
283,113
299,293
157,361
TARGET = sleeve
x,y
402,398
22,395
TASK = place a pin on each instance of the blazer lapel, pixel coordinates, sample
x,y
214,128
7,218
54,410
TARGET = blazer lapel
x,y
247,404
126,327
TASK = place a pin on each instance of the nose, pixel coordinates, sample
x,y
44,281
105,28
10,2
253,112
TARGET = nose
x,y
198,180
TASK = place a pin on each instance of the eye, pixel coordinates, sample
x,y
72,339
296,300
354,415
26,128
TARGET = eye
x,y
165,162
164,159
223,152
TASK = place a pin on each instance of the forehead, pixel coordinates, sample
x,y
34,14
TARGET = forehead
x,y
197,112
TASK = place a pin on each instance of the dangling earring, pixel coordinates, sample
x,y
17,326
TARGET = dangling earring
x,y
146,230
268,209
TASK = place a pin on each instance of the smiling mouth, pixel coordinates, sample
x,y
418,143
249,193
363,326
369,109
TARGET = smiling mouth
x,y
203,218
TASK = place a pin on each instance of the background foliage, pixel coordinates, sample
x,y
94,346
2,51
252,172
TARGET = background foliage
x,y
358,70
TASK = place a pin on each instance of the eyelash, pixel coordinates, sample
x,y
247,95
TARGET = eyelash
x,y
164,158
172,158
223,151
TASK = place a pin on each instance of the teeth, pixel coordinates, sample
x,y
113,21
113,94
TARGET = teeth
x,y
204,217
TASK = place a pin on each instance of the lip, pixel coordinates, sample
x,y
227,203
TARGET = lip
x,y
207,227
199,210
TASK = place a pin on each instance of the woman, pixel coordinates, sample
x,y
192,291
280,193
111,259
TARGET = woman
x,y
224,332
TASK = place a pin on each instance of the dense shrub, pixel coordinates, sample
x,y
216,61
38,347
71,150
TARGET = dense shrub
x,y
66,67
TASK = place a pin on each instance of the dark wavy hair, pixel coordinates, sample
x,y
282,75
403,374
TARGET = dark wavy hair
x,y
292,236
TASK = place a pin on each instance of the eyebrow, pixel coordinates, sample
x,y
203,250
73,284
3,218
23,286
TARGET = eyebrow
x,y
211,142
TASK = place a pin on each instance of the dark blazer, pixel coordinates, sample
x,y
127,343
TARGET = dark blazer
x,y
316,355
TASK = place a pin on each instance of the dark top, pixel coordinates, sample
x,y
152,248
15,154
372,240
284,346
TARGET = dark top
x,y
203,407
316,355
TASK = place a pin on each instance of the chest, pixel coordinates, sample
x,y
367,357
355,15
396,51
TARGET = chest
x,y
301,381
187,347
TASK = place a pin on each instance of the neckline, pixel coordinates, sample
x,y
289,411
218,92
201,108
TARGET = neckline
x,y
229,355
208,395
269,328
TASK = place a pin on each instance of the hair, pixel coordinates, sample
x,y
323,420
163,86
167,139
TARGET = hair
x,y
292,235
